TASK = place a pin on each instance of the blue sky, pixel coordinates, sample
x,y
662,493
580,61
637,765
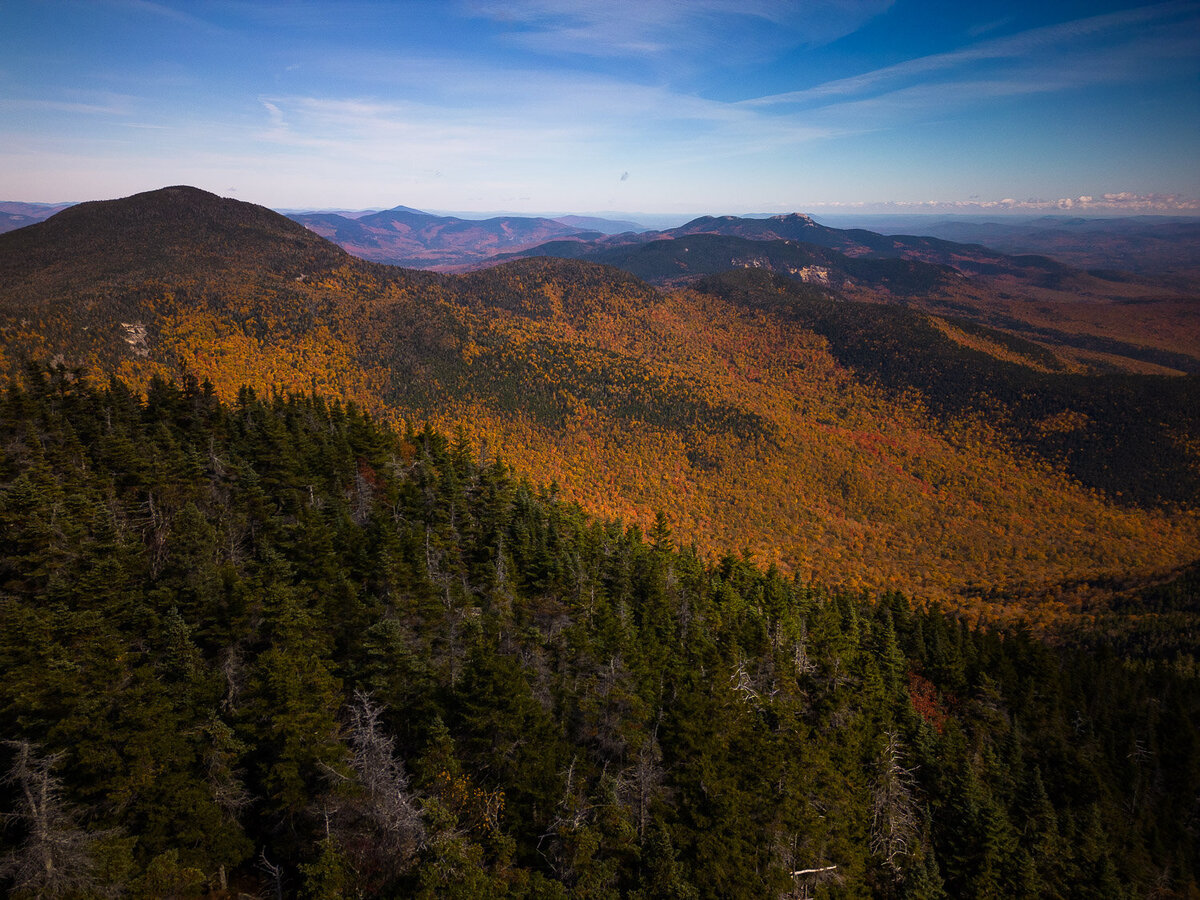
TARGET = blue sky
x,y
697,106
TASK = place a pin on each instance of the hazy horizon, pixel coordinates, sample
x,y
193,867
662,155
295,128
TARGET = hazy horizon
x,y
820,212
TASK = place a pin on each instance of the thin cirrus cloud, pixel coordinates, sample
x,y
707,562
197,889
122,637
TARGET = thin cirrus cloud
x,y
94,104
1104,49
625,28
470,115
1131,44
534,116
402,133
16,104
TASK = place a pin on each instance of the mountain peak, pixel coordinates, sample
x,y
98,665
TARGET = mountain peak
x,y
794,219
408,209
167,224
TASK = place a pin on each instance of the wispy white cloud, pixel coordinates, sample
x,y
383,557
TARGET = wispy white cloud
x,y
275,115
1109,46
92,104
984,27
555,99
534,117
448,112
658,27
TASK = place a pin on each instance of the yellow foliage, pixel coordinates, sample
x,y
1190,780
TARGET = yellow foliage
x,y
739,425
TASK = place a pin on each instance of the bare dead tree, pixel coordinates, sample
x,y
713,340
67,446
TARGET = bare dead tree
x,y
743,685
804,880
391,808
796,855
895,821
800,660
573,812
55,858
225,778
362,500
233,674
638,784
272,871
377,822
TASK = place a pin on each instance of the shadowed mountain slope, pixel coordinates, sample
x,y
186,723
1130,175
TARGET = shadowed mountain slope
x,y
683,259
167,229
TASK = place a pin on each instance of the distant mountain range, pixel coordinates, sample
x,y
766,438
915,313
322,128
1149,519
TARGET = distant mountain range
x,y
605,226
407,237
1163,248
1102,314
403,235
14,215
798,229
1030,295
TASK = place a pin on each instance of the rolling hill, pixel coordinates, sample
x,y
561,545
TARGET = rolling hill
x,y
873,445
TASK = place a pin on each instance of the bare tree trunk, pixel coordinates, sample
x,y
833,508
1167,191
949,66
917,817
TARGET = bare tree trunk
x,y
895,820
56,856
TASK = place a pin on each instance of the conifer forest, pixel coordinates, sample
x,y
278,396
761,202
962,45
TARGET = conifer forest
x,y
271,647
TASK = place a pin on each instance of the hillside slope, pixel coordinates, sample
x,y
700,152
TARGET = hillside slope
x,y
750,422
268,647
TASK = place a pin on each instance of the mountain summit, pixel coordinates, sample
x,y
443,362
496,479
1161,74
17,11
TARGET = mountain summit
x,y
162,231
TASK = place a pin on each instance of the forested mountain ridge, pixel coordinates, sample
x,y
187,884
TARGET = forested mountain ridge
x,y
1100,320
175,227
683,259
270,647
840,440
855,243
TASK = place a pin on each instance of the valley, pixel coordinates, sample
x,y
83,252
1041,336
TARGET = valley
x,y
872,427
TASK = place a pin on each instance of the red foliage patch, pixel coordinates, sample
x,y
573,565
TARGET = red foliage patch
x,y
926,700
